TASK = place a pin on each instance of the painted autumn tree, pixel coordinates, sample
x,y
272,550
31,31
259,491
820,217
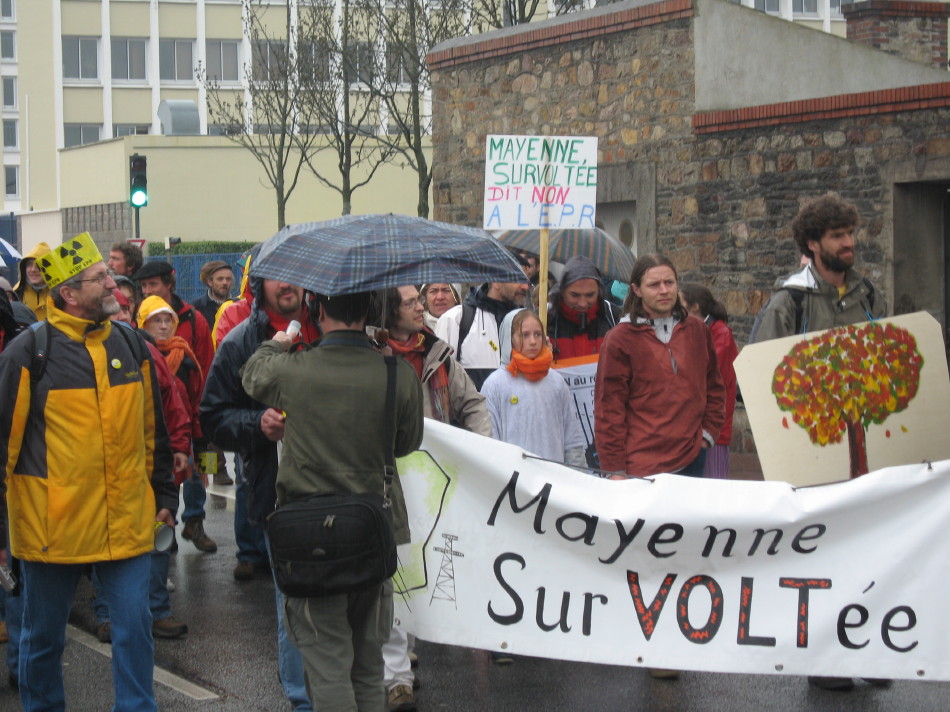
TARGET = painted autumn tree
x,y
844,380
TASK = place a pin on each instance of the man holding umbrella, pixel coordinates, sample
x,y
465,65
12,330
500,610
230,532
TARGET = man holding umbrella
x,y
335,396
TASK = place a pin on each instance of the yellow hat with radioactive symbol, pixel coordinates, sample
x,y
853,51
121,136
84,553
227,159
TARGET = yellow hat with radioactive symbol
x,y
69,259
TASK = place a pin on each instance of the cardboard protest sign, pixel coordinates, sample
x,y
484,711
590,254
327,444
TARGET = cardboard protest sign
x,y
580,373
540,182
836,403
524,555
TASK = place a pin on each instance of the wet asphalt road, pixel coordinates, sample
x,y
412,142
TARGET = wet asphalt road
x,y
228,662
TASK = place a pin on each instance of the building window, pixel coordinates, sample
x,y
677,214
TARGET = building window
x,y
80,58
767,6
9,92
8,44
128,58
805,7
175,62
129,130
12,176
222,57
269,60
9,133
358,63
398,62
6,9
315,61
80,134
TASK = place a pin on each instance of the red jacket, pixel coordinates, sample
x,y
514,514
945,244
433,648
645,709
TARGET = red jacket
x,y
726,353
193,328
652,400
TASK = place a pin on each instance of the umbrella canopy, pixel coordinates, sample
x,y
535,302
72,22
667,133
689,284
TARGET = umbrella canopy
x,y
608,254
361,253
8,253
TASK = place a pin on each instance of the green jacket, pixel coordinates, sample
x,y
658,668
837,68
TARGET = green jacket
x,y
821,308
334,397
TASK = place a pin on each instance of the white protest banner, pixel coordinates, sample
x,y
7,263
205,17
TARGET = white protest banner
x,y
513,553
580,373
535,182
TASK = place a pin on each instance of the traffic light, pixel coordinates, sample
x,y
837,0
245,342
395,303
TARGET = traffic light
x,y
138,182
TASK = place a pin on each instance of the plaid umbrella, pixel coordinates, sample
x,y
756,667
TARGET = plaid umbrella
x,y
8,253
609,255
361,253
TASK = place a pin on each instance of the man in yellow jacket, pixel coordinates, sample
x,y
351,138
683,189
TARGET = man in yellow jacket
x,y
87,473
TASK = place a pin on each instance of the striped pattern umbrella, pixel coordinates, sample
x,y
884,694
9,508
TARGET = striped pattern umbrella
x,y
361,253
609,255
8,253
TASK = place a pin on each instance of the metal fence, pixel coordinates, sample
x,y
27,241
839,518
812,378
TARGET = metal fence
x,y
188,285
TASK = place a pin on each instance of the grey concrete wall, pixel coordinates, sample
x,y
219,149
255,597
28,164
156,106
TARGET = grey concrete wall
x,y
745,57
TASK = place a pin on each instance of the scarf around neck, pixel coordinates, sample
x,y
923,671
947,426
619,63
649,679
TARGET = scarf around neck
x,y
534,369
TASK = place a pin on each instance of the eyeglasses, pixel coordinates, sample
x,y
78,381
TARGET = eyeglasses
x,y
411,303
100,279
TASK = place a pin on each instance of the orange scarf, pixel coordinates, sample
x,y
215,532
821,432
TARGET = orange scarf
x,y
534,369
174,350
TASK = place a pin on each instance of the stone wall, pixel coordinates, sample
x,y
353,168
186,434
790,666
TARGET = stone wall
x,y
913,30
724,192
107,223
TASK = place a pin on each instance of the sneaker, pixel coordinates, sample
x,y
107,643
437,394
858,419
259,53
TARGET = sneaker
x,y
104,632
244,571
222,478
664,674
4,636
168,628
401,699
194,531
835,684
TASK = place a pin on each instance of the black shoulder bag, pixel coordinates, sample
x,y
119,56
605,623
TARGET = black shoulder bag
x,y
331,544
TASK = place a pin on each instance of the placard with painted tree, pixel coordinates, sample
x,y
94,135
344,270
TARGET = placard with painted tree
x,y
841,402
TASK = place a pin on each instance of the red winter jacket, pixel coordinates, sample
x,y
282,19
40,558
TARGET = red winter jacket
x,y
726,353
652,400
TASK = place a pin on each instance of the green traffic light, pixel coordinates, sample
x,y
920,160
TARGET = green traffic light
x,y
138,197
138,182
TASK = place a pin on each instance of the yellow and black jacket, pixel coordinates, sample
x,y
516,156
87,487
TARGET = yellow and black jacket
x,y
85,453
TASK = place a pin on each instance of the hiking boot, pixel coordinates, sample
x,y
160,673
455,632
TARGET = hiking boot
x,y
4,636
194,531
401,699
168,628
244,571
104,632
501,658
664,674
222,478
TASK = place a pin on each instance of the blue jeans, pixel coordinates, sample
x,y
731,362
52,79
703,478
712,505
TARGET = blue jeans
x,y
158,600
48,596
194,496
290,662
697,467
249,539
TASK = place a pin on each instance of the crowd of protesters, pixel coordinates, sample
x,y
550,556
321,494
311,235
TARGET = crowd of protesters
x,y
664,400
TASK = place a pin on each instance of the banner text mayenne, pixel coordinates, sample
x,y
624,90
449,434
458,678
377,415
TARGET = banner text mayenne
x,y
660,542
